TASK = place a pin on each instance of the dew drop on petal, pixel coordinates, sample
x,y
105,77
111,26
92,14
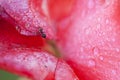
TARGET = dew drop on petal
x,y
99,19
76,79
91,4
18,28
117,49
96,51
119,63
101,58
99,2
107,21
87,32
27,26
113,39
107,2
91,63
114,72
98,26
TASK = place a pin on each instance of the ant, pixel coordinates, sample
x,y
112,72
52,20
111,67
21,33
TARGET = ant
x,y
42,33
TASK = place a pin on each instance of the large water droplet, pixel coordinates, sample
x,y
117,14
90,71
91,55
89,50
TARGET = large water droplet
x,y
91,63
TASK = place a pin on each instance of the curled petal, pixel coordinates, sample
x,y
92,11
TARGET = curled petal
x,y
27,20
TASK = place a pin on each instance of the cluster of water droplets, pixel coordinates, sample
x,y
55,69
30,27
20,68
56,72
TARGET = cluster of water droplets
x,y
104,3
97,55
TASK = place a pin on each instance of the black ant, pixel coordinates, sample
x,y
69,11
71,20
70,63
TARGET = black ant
x,y
42,33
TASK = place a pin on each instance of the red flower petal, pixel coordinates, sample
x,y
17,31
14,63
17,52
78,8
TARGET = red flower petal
x,y
27,20
22,55
91,44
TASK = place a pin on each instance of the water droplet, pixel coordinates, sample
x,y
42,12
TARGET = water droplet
x,y
18,28
113,39
81,49
107,21
101,57
103,33
110,28
114,72
119,63
100,34
107,3
99,19
91,4
96,51
100,2
91,63
27,25
98,26
87,31
76,79
117,49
